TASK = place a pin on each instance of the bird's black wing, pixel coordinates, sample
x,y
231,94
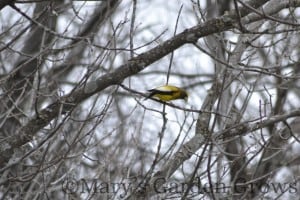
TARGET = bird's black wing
x,y
155,91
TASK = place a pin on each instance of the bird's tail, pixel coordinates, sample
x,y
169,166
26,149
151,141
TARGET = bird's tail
x,y
149,96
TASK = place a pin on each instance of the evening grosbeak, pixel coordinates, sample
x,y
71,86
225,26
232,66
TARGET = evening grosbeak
x,y
168,93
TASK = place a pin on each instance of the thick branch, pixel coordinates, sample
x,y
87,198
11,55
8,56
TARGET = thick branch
x,y
4,3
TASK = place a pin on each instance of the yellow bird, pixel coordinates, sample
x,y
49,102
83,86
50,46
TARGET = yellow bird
x,y
168,93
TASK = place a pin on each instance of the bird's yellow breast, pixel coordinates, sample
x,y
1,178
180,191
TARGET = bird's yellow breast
x,y
165,97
